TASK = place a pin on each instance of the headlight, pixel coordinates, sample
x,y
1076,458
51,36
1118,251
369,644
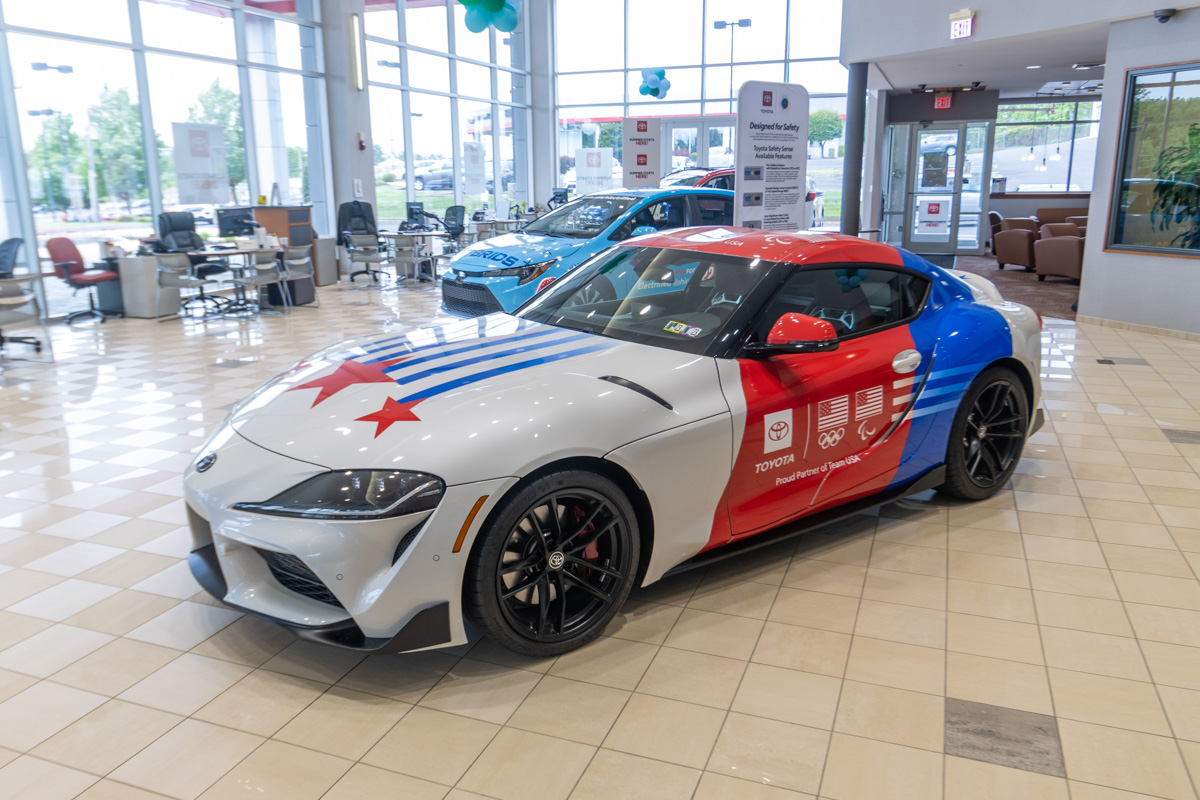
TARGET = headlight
x,y
355,494
526,273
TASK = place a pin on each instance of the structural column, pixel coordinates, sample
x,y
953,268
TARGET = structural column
x,y
856,128
349,108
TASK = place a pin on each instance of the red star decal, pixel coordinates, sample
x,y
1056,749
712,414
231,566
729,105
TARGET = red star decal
x,y
347,374
391,413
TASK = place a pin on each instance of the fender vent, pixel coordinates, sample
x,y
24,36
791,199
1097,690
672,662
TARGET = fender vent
x,y
295,576
409,538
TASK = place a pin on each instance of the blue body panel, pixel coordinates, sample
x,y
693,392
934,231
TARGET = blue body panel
x,y
964,337
478,263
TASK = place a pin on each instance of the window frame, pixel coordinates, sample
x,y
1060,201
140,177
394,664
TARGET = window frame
x,y
1074,123
1116,189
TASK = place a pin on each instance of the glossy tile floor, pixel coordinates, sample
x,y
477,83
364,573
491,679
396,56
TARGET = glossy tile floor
x,y
1044,644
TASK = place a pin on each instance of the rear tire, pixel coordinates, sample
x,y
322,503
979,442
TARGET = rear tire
x,y
987,436
554,564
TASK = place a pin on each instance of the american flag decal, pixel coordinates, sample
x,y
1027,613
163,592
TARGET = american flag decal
x,y
834,412
868,403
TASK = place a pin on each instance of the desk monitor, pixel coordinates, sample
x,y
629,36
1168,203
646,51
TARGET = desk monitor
x,y
416,214
558,198
235,221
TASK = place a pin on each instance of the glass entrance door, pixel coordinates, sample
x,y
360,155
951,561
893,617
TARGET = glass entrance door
x,y
681,141
935,159
935,186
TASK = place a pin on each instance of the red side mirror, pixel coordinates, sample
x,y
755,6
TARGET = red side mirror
x,y
793,328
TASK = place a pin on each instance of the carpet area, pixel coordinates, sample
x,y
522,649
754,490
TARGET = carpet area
x,y
1052,297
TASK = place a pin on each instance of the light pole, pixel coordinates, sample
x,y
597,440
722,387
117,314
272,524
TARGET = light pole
x,y
732,24
93,131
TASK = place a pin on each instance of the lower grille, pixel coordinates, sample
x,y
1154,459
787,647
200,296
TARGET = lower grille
x,y
295,576
469,299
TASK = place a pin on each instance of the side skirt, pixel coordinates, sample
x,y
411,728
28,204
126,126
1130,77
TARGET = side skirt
x,y
930,480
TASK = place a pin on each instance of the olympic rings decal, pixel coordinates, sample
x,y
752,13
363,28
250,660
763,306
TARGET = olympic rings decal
x,y
829,438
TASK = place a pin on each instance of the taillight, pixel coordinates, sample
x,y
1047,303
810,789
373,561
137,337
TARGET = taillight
x,y
810,197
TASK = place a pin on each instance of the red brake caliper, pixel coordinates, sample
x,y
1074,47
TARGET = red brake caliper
x,y
592,551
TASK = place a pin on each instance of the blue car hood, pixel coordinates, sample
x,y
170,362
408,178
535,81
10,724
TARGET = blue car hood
x,y
520,249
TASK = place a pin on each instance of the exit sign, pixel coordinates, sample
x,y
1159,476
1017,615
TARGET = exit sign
x,y
961,28
941,101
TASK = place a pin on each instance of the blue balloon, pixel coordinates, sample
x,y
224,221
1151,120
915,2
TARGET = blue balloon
x,y
506,19
643,89
664,85
652,81
662,73
647,72
477,20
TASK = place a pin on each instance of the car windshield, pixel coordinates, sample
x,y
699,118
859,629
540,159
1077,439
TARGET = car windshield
x,y
684,178
584,218
677,299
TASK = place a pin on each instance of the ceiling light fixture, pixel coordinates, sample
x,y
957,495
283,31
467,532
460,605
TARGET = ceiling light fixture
x,y
1034,66
1057,154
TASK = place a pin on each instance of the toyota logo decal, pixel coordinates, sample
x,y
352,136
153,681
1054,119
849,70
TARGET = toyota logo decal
x,y
778,431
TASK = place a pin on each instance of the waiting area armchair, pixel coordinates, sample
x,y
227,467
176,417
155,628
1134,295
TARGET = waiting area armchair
x,y
1014,242
71,268
1059,251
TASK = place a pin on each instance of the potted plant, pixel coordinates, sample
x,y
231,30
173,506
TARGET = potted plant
x,y
1177,192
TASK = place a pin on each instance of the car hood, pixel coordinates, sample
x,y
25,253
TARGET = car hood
x,y
519,250
475,400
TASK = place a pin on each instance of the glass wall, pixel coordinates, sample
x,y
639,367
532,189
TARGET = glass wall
x,y
1159,199
213,103
708,49
452,85
1046,145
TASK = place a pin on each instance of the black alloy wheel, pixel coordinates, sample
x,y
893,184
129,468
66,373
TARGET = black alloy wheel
x,y
555,565
988,435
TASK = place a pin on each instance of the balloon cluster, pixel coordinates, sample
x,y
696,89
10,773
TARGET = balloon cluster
x,y
501,14
654,83
850,279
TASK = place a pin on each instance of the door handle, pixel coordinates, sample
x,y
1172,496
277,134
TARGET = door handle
x,y
906,361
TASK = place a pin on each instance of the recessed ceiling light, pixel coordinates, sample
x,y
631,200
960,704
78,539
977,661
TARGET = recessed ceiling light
x,y
1034,66
1066,83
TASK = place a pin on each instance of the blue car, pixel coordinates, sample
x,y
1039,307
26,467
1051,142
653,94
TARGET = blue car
x,y
501,273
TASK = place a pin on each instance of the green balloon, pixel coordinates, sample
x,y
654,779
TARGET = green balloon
x,y
654,92
493,6
468,3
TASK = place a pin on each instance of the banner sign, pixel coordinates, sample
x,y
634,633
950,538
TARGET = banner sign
x,y
200,164
642,151
771,156
593,169
474,180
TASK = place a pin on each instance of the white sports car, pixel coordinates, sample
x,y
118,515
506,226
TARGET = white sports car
x,y
726,387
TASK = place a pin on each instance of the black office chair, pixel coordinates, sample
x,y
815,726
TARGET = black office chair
x,y
177,233
360,238
8,262
455,224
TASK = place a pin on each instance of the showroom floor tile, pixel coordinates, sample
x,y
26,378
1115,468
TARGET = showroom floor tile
x,y
1042,644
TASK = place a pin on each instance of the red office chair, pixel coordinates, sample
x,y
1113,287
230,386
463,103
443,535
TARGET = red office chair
x,y
69,265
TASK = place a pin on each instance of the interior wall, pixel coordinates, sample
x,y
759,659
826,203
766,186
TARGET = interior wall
x,y
1161,291
964,106
913,26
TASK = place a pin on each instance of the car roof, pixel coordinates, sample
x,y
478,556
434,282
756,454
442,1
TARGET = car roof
x,y
658,191
794,247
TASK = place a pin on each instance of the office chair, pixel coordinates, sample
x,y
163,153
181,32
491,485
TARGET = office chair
x,y
14,293
70,267
298,263
360,239
455,223
177,232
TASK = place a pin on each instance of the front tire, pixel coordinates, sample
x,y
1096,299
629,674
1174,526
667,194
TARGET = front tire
x,y
554,564
419,184
987,436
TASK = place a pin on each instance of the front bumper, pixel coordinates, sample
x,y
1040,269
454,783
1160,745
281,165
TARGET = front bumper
x,y
372,585
468,298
